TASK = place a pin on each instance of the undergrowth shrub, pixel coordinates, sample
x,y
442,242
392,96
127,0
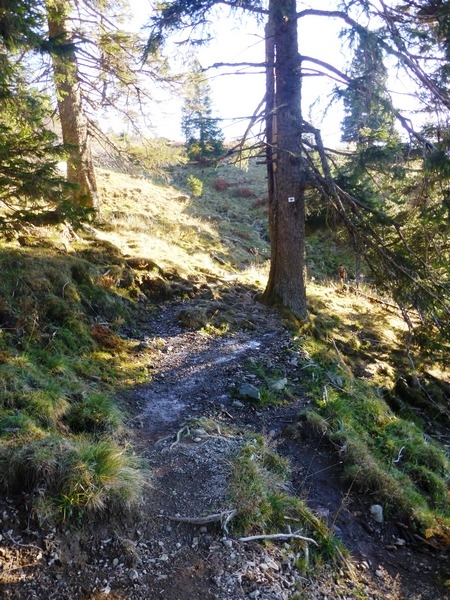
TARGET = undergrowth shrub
x,y
243,192
220,184
195,185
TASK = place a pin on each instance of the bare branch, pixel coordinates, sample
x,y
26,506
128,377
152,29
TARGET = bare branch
x,y
326,66
219,65
278,536
223,518
400,51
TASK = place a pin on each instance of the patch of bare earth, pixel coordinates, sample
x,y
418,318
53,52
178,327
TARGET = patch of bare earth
x,y
168,549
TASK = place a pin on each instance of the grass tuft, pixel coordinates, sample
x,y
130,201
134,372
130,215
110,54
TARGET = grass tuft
x,y
259,492
71,474
95,414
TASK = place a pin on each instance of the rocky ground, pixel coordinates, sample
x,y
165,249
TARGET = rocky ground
x,y
188,422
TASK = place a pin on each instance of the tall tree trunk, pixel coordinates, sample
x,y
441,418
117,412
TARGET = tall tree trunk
x,y
286,170
74,125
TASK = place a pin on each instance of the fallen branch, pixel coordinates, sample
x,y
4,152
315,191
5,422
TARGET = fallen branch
x,y
226,413
179,434
374,299
278,536
225,522
223,518
10,538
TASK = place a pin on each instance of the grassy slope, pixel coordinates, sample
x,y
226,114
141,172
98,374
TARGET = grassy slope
x,y
65,297
192,235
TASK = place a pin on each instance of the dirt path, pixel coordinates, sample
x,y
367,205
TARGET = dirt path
x,y
188,423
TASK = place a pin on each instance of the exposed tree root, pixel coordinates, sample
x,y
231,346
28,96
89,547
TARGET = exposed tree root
x,y
279,536
223,518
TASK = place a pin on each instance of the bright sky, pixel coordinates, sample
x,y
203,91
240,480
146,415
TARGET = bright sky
x,y
235,95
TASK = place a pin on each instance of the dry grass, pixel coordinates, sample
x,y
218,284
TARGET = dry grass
x,y
364,333
180,231
144,219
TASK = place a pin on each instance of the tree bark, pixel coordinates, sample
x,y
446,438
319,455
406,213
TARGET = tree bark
x,y
74,124
287,173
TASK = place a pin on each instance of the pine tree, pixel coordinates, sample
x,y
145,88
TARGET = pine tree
x,y
29,151
369,119
97,66
415,37
204,138
74,124
287,171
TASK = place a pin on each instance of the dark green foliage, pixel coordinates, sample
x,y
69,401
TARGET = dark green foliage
x,y
28,155
369,119
399,219
173,16
30,184
19,24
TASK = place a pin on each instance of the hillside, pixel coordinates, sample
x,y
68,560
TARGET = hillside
x,y
154,414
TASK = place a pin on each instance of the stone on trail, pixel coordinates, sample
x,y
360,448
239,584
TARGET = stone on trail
x,y
249,392
376,510
279,385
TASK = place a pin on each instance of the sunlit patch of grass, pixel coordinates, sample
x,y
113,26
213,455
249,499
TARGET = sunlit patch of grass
x,y
160,225
61,360
364,333
257,274
215,330
61,353
15,424
180,230
384,454
257,475
47,408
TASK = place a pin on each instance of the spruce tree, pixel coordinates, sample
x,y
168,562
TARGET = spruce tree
x,y
369,119
30,183
204,138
